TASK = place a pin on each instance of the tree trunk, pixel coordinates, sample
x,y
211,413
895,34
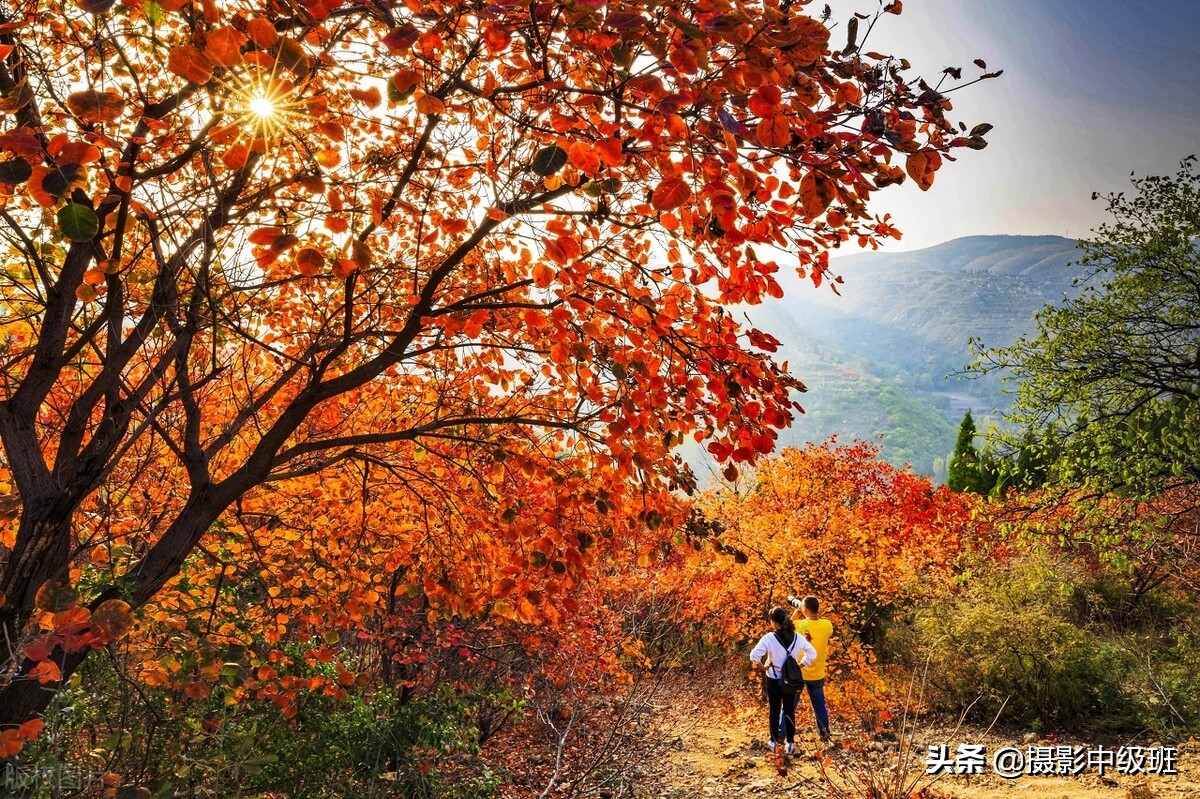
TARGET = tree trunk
x,y
26,698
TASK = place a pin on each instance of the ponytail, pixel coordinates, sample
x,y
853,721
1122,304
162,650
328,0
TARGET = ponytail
x,y
780,617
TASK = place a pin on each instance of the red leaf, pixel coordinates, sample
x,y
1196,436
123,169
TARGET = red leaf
x,y
401,39
188,62
453,227
496,38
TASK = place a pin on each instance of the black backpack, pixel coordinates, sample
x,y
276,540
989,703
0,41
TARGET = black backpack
x,y
791,679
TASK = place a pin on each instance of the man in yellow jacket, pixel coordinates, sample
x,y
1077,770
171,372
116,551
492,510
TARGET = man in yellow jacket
x,y
818,632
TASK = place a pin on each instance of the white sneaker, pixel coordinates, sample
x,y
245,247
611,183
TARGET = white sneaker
x,y
791,749
770,746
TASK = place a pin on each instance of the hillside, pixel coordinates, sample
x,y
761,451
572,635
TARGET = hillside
x,y
880,360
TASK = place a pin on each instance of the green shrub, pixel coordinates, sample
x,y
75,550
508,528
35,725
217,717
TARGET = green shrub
x,y
1011,639
164,745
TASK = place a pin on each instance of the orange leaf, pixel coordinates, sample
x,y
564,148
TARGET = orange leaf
x,y
31,729
812,40
610,151
360,253
543,274
583,156
188,62
46,672
453,226
224,47
428,104
56,596
849,94
198,690
774,131
262,32
405,81
670,193
921,166
765,101
10,742
429,43
114,617
309,261
329,157
370,97
264,236
78,152
816,193
235,157
94,106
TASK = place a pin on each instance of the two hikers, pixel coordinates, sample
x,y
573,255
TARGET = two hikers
x,y
805,637
769,656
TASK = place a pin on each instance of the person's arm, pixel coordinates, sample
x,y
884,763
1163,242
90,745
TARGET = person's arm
x,y
810,654
758,653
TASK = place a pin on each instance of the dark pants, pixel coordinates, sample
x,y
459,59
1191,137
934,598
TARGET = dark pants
x,y
816,695
783,713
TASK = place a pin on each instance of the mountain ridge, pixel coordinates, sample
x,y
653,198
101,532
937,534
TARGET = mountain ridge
x,y
879,359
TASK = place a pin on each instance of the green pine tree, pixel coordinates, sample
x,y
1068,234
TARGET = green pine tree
x,y
963,472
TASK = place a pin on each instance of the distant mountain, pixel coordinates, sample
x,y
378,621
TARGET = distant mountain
x,y
879,360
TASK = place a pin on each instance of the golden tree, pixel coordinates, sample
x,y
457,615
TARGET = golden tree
x,y
248,241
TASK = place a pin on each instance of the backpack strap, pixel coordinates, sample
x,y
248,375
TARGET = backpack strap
x,y
787,650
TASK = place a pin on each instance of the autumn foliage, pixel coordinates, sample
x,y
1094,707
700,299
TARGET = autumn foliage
x,y
313,312
830,520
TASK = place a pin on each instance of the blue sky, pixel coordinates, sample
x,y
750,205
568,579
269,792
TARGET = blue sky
x,y
1092,90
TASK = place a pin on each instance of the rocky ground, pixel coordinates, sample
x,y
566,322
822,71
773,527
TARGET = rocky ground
x,y
713,748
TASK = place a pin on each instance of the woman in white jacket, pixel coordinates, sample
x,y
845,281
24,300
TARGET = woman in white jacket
x,y
768,656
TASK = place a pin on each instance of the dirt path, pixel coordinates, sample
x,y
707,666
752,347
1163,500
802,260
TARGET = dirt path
x,y
710,749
